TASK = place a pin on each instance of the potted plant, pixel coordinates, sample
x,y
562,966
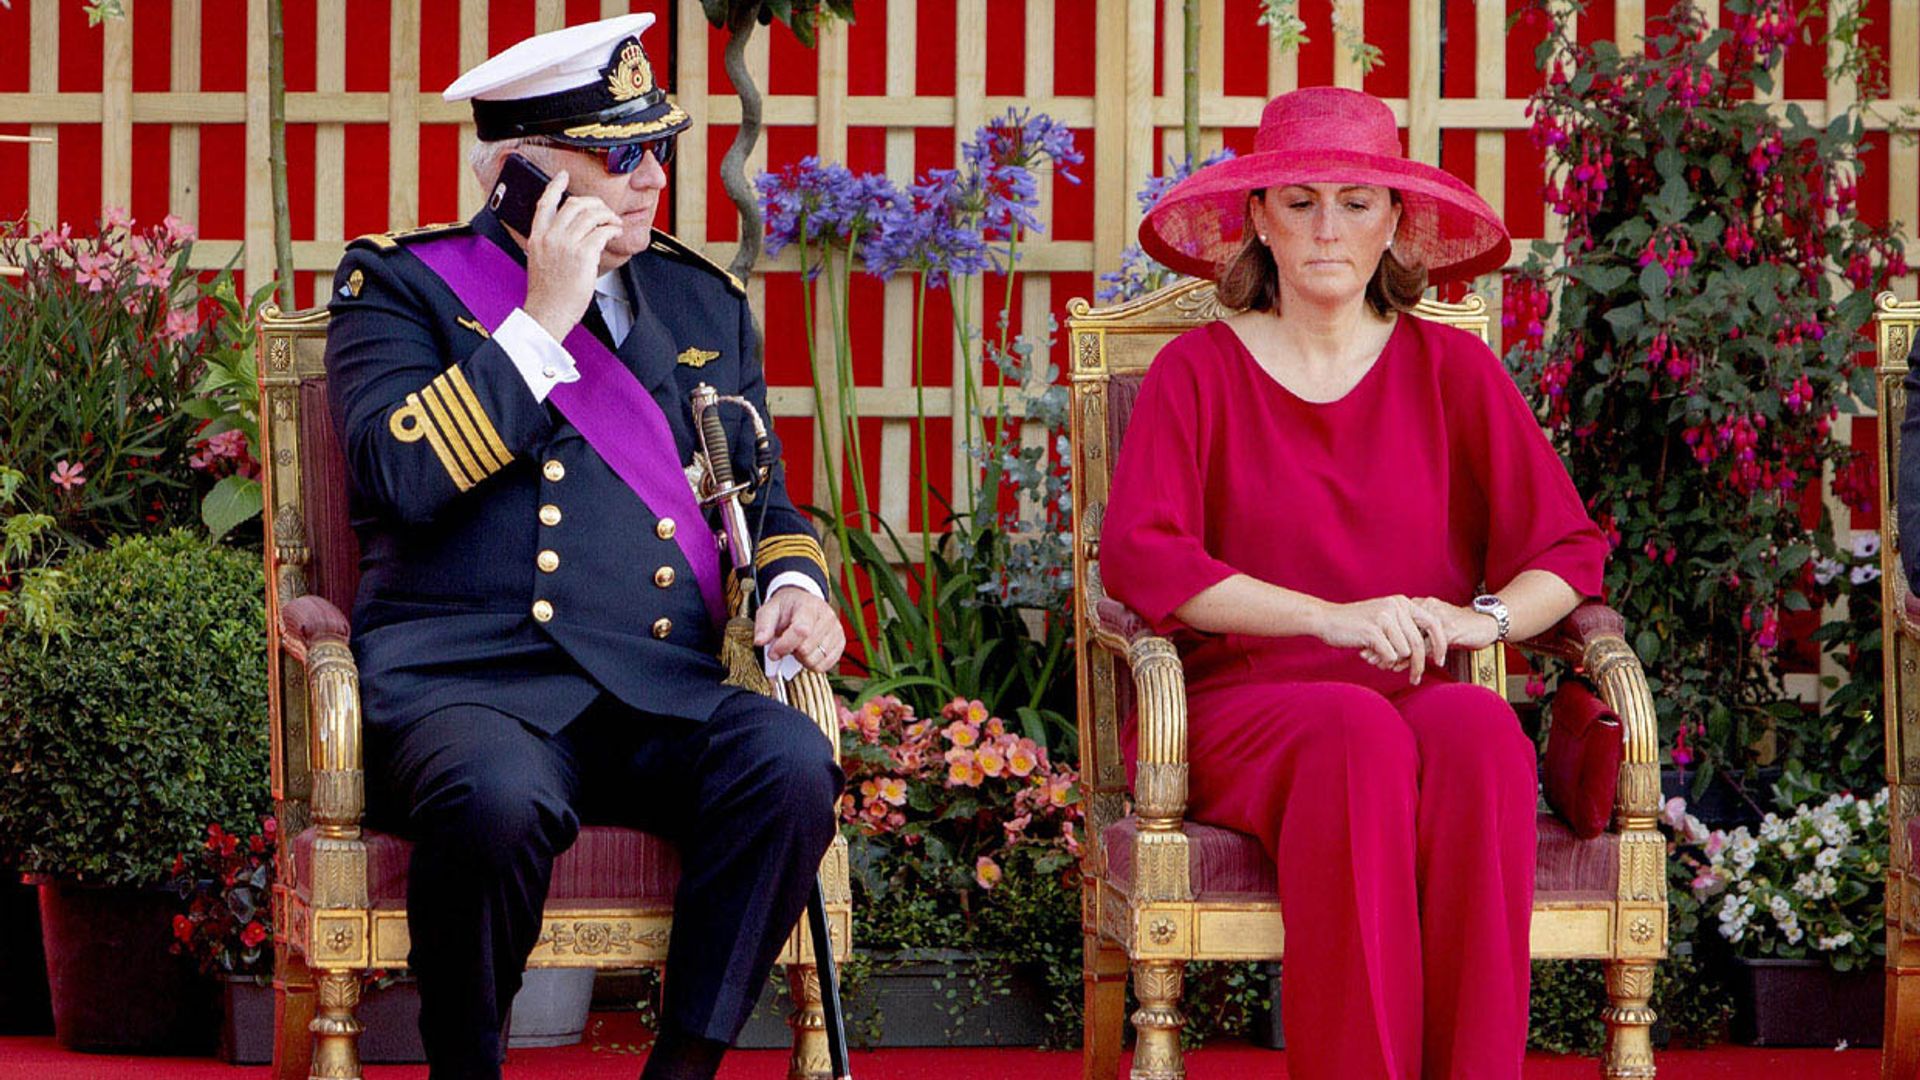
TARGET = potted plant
x,y
1710,296
1801,906
129,720
964,843
225,884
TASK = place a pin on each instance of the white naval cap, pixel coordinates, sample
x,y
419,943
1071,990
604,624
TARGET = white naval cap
x,y
589,85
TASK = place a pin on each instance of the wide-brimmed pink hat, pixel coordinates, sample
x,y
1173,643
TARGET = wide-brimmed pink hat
x,y
1327,135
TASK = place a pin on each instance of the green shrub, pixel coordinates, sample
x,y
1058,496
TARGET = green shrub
x,y
124,737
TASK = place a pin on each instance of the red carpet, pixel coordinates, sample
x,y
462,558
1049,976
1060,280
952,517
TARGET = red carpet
x,y
608,1054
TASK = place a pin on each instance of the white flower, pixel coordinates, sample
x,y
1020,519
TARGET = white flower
x,y
1825,569
1780,909
1827,859
1771,827
1860,575
1866,544
1843,939
1805,885
1793,933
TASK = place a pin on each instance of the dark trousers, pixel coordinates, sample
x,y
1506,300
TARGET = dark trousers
x,y
747,798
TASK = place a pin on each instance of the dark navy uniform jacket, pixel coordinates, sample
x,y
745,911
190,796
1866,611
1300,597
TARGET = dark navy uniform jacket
x,y
503,563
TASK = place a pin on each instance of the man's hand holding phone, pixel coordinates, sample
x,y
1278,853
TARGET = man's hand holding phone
x,y
564,245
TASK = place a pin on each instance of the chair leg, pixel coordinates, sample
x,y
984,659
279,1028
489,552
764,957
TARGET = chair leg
x,y
1104,971
293,1003
1901,1057
1629,1019
1158,1020
336,1053
809,1023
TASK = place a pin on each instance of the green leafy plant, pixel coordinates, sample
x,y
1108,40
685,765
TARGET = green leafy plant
x,y
1694,343
126,735
29,576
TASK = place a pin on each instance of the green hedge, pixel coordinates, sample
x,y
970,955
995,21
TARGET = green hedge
x,y
122,739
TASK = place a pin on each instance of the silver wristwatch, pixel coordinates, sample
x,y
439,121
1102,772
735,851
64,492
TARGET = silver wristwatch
x,y
1489,604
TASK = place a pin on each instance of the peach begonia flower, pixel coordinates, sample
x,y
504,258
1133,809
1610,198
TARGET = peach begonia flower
x,y
1059,790
992,761
987,872
976,712
1022,759
962,734
894,790
68,475
1016,826
996,726
962,770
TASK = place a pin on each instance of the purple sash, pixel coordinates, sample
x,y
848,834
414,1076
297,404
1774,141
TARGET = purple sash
x,y
614,413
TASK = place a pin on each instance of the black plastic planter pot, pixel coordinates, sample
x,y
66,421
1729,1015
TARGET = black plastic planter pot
x,y
115,987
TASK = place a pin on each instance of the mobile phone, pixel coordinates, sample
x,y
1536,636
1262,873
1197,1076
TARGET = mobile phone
x,y
519,188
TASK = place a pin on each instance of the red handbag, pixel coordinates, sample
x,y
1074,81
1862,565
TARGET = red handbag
x,y
1585,746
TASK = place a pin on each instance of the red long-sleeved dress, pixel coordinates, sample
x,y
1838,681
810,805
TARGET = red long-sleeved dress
x,y
1401,819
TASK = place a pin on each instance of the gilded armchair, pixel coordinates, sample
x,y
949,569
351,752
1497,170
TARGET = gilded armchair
x,y
1897,328
1161,890
339,900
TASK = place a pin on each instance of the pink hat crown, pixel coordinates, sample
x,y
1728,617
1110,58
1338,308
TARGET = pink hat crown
x,y
1325,118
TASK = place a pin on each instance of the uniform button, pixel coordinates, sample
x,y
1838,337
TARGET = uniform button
x,y
549,515
553,470
547,561
663,577
549,373
662,627
663,528
542,611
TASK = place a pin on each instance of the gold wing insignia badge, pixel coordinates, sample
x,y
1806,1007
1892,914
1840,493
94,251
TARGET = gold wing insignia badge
x,y
698,358
473,325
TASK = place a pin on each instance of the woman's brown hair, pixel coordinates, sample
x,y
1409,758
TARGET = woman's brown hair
x,y
1251,282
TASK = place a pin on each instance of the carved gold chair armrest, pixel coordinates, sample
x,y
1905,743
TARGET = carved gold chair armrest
x,y
1594,637
315,633
1161,870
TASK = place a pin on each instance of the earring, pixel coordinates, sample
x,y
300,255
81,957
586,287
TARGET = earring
x,y
1263,238
1389,243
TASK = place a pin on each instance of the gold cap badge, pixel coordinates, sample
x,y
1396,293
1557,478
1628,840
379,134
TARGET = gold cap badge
x,y
630,76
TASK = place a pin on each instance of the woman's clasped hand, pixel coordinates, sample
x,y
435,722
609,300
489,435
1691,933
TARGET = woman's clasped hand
x,y
1400,633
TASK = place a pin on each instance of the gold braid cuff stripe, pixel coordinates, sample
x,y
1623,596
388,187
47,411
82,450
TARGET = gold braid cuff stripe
x,y
790,546
447,413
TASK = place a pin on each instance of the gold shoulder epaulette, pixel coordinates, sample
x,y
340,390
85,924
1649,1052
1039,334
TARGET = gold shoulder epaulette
x,y
677,249
387,241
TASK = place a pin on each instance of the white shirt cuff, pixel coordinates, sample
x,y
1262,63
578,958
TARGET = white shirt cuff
x,y
788,667
541,361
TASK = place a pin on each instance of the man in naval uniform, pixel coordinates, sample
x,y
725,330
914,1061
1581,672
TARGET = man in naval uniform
x,y
536,628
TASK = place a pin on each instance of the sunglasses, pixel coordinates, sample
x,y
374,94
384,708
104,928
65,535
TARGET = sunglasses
x,y
623,159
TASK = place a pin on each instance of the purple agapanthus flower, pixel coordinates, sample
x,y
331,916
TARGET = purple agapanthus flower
x,y
1157,186
861,204
803,203
1023,139
933,230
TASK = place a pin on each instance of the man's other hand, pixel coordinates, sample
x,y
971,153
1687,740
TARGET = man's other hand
x,y
794,622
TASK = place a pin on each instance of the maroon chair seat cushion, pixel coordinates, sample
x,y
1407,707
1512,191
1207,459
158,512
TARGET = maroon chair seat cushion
x,y
605,867
1228,866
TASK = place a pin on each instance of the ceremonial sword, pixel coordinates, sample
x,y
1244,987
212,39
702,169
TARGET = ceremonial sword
x,y
724,491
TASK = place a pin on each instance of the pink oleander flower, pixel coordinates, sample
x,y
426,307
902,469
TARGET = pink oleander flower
x,y
94,269
52,240
68,475
987,872
178,230
181,322
115,217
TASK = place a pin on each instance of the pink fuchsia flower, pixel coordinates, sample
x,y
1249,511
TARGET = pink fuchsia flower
x,y
1536,686
987,872
1682,756
94,269
68,475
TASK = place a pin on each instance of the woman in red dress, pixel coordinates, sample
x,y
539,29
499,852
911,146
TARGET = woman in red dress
x,y
1320,498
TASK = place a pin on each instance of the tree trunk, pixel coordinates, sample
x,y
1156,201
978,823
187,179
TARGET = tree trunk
x,y
733,167
277,152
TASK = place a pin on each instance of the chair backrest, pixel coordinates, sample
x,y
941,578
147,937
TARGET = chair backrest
x,y
1111,349
310,545
1896,331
